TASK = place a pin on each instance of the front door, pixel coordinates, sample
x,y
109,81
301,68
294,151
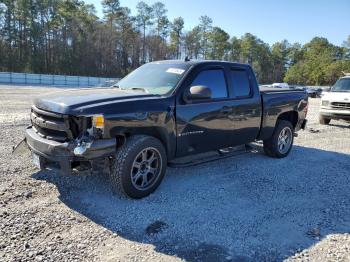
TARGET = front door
x,y
206,125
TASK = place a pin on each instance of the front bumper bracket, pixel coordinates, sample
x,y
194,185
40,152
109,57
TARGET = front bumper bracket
x,y
65,153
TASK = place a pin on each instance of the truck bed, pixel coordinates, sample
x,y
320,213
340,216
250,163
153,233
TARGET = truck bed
x,y
275,100
278,90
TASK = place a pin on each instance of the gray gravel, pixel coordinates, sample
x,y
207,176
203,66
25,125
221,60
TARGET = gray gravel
x,y
246,208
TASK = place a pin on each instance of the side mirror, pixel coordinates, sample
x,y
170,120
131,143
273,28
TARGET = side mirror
x,y
198,92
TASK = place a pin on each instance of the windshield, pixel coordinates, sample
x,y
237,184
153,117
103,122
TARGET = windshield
x,y
342,85
154,78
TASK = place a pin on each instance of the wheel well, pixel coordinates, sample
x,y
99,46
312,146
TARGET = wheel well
x,y
291,116
121,138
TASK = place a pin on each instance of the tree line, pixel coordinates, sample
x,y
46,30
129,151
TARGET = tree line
x,y
67,37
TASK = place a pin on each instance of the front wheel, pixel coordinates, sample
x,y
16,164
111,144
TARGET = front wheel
x,y
324,121
138,166
281,141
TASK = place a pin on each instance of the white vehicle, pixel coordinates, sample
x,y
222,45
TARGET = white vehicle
x,y
280,85
335,104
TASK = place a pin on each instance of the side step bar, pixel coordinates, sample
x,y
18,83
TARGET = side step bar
x,y
209,156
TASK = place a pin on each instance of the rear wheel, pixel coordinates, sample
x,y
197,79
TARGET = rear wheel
x,y
324,121
281,141
138,166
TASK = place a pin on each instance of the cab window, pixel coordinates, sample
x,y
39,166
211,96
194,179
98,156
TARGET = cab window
x,y
240,83
215,80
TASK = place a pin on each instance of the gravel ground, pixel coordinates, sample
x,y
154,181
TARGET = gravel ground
x,y
246,208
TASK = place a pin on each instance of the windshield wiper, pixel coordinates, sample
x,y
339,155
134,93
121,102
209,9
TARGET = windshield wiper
x,y
140,88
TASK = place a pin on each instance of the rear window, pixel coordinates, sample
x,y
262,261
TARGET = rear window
x,y
240,83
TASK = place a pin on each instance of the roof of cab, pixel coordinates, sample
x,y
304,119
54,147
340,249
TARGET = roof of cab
x,y
196,62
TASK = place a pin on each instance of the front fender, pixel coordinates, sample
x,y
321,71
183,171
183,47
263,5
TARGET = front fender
x,y
159,124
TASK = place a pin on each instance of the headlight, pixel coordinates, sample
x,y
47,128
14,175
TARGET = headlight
x,y
98,121
325,103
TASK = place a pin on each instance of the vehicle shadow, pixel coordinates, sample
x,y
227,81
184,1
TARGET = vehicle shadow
x,y
246,208
343,125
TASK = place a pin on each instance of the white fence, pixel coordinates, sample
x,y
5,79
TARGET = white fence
x,y
51,80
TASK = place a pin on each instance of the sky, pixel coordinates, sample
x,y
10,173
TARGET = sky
x,y
270,20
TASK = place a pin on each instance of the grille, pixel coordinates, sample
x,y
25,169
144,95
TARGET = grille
x,y
340,105
50,125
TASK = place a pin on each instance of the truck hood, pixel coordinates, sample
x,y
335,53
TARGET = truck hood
x,y
337,96
83,101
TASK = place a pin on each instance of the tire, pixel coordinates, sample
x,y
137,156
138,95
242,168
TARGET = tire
x,y
272,146
324,121
132,166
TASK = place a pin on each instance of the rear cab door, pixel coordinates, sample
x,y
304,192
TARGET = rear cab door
x,y
246,104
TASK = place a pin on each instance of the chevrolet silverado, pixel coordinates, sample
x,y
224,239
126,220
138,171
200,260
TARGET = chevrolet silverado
x,y
158,113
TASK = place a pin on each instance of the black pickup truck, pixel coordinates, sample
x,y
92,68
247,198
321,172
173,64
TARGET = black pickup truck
x,y
161,112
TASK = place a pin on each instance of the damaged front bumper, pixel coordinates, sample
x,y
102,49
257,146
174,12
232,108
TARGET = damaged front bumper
x,y
67,152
